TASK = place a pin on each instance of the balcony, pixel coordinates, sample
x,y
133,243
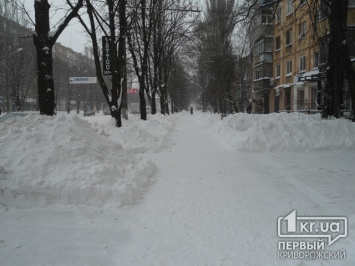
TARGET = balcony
x,y
262,30
264,57
263,83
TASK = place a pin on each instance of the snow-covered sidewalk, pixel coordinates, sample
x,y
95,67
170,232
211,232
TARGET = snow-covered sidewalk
x,y
210,205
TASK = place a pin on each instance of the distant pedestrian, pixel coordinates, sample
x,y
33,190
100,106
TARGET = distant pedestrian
x,y
0,111
249,108
191,110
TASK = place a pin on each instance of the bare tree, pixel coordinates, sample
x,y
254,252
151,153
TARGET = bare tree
x,y
44,40
218,60
102,19
156,33
139,36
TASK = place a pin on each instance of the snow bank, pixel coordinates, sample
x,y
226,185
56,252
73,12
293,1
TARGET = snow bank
x,y
62,161
282,132
136,135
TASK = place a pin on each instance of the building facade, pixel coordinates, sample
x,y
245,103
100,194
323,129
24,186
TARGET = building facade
x,y
289,44
296,55
261,39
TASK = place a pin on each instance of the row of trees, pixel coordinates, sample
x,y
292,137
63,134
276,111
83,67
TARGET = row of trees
x,y
223,61
80,97
153,32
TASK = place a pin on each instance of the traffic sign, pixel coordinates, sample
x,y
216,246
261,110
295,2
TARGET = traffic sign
x,y
82,80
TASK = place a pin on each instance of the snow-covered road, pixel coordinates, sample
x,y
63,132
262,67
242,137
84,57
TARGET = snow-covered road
x,y
210,205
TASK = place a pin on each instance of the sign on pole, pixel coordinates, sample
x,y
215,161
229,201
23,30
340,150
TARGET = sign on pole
x,y
82,80
106,53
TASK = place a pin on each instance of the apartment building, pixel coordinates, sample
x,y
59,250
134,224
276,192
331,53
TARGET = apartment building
x,y
261,39
296,57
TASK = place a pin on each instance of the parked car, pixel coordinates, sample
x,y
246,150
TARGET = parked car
x,y
89,113
348,114
12,115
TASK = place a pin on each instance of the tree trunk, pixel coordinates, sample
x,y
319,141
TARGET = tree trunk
x,y
124,108
44,43
337,58
142,103
154,104
44,46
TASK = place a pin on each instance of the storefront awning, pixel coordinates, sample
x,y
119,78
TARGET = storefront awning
x,y
283,86
312,76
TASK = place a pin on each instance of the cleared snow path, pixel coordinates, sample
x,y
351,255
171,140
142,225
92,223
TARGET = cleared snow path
x,y
210,205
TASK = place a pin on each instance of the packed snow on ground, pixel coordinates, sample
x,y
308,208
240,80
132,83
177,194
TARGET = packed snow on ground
x,y
176,190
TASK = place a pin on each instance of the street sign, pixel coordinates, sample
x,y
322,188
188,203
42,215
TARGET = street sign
x,y
132,91
82,80
106,54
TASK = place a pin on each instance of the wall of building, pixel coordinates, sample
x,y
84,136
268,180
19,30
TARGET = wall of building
x,y
296,54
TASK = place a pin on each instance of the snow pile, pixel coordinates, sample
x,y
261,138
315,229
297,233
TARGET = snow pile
x,y
62,161
283,132
136,135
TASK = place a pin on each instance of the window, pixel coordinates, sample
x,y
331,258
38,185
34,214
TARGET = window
x,y
278,71
302,30
289,68
302,2
258,73
266,16
265,19
288,37
278,15
289,7
268,72
302,66
278,43
316,59
259,47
